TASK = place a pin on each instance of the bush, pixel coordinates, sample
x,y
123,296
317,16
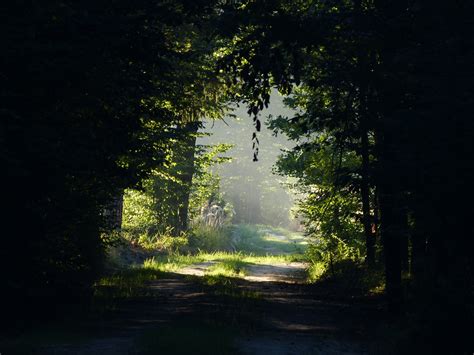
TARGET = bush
x,y
208,238
327,252
172,244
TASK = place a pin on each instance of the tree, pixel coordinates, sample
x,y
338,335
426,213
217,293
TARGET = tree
x,y
85,115
382,79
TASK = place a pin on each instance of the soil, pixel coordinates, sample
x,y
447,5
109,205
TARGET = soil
x,y
282,315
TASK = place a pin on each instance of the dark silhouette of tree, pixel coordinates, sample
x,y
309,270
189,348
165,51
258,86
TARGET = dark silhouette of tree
x,y
89,110
397,72
96,95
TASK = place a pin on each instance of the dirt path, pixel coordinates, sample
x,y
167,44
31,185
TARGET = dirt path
x,y
264,316
291,272
198,269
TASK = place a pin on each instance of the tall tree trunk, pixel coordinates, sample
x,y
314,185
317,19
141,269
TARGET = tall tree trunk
x,y
376,227
364,59
390,144
404,237
418,248
365,194
391,215
113,212
186,176
391,218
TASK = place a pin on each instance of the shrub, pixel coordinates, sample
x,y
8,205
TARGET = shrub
x,y
208,238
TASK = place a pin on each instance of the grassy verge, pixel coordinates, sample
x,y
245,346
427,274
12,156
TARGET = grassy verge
x,y
262,240
256,245
132,282
347,277
227,263
232,266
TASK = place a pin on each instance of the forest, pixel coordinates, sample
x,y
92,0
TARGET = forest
x,y
237,177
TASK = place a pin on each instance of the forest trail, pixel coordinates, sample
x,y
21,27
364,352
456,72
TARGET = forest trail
x,y
288,272
265,308
247,318
293,272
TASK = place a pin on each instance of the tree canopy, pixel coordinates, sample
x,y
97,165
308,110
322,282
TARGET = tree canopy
x,y
102,99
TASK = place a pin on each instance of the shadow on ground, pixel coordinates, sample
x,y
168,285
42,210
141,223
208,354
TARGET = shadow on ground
x,y
181,314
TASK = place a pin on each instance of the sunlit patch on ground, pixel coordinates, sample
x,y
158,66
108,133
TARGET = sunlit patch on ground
x,y
219,295
258,272
199,269
280,272
279,263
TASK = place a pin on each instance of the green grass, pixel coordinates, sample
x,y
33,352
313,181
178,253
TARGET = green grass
x,y
258,244
232,266
261,240
132,282
315,271
172,262
133,277
210,239
125,283
250,257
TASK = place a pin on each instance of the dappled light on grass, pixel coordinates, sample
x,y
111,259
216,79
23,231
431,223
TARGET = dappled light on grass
x,y
230,267
270,254
315,271
146,144
126,283
242,278
217,268
228,264
172,262
263,240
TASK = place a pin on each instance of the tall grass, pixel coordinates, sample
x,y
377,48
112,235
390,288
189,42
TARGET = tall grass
x,y
203,237
172,262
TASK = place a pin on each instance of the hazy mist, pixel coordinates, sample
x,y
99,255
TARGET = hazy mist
x,y
256,193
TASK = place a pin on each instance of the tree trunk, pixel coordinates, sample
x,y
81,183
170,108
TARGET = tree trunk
x,y
418,249
391,218
376,224
391,214
404,237
365,194
186,176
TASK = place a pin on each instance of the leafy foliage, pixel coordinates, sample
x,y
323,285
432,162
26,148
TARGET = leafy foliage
x,y
377,84
97,93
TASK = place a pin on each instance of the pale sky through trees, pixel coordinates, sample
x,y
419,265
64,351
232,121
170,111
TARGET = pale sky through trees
x,y
256,193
